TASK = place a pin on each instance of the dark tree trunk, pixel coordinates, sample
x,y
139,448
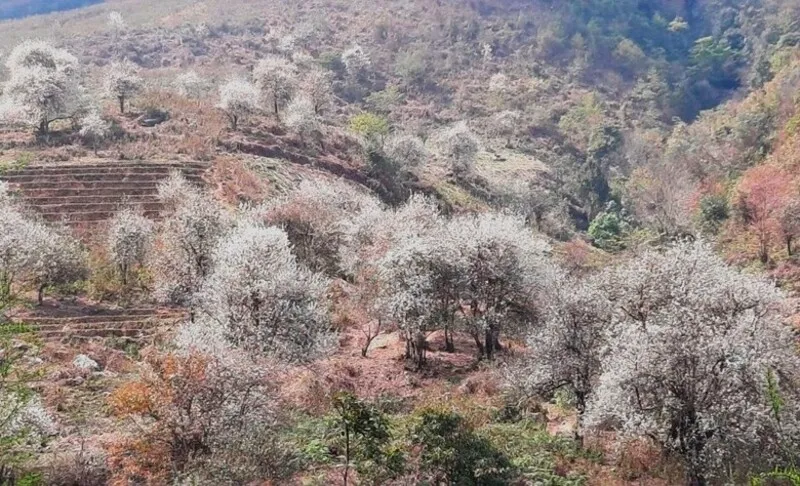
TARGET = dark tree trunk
x,y
488,347
449,345
789,245
478,343
121,104
40,295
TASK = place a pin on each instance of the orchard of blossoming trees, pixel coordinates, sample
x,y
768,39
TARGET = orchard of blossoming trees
x,y
436,312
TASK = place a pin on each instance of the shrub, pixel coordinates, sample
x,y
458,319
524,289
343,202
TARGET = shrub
x,y
451,452
373,128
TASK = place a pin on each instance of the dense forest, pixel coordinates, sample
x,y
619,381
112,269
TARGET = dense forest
x,y
347,242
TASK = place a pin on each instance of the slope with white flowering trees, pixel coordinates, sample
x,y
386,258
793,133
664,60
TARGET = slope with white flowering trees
x,y
700,362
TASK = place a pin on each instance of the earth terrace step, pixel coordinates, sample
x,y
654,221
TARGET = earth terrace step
x,y
23,179
143,318
31,193
46,200
111,167
70,208
90,217
104,325
111,311
99,333
116,184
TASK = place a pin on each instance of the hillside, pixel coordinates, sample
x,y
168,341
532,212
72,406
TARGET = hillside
x,y
475,242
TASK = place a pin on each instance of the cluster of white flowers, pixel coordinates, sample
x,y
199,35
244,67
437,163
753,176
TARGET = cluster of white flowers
x,y
189,84
20,414
128,240
505,123
566,351
481,273
300,115
122,81
317,218
261,300
458,146
407,151
43,86
94,129
34,253
116,22
238,98
678,347
192,228
277,79
356,61
316,85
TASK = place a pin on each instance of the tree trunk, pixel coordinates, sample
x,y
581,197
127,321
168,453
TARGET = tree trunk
x,y
478,343
40,295
789,245
449,345
121,104
275,106
696,479
488,344
346,453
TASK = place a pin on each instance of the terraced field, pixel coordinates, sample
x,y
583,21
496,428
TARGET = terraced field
x,y
82,323
87,194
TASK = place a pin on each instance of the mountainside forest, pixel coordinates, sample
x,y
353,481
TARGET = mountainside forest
x,y
409,242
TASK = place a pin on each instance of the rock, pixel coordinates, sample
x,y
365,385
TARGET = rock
x,y
84,362
153,118
74,381
20,346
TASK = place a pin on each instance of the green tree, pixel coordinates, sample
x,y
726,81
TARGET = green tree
x,y
365,432
452,453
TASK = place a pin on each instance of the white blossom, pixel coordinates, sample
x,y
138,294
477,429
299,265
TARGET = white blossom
x,y
94,129
193,225
566,351
317,217
116,22
34,254
407,151
238,99
692,344
505,123
276,77
122,81
300,115
128,241
262,300
190,84
458,146
316,85
356,60
43,86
